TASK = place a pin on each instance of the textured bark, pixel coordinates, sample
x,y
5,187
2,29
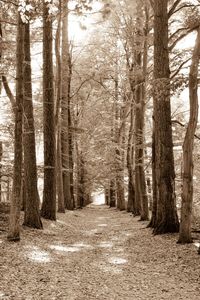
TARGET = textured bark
x,y
1,154
65,109
59,189
48,209
131,206
107,196
112,194
60,193
118,146
14,222
81,183
140,71
32,214
188,146
166,214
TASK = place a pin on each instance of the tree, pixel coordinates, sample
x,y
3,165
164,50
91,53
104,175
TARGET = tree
x,y
14,223
32,215
188,145
48,209
60,191
65,110
166,219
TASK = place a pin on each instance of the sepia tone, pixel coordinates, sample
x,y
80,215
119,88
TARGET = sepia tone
x,y
99,149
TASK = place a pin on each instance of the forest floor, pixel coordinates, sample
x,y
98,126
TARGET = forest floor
x,y
97,253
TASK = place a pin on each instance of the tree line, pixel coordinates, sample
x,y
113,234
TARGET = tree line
x,y
107,119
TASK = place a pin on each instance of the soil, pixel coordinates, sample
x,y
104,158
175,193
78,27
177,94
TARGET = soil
x,y
97,253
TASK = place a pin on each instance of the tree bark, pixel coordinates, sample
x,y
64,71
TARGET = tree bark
x,y
65,109
166,214
140,93
32,214
188,146
112,194
1,154
14,222
48,209
131,206
60,192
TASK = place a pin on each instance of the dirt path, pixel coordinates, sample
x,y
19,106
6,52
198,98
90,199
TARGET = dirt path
x,y
97,253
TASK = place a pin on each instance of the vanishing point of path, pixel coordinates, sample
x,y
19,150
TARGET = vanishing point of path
x,y
97,253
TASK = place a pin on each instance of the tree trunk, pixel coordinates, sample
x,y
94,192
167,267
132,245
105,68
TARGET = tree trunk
x,y
112,193
32,214
48,209
131,206
188,146
1,154
107,196
14,222
60,193
118,154
65,109
140,93
166,214
59,177
81,183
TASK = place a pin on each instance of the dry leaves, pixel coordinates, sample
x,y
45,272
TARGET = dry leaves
x,y
97,253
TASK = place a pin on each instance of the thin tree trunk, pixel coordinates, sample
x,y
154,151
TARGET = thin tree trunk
x,y
65,109
14,222
32,214
60,192
131,206
188,146
1,154
48,209
112,193
118,154
107,196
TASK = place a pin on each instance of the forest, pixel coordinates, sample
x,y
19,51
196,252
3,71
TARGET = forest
x,y
99,139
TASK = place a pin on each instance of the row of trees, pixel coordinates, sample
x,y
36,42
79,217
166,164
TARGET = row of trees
x,y
98,101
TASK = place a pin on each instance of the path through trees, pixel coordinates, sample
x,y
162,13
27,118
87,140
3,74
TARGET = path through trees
x,y
98,253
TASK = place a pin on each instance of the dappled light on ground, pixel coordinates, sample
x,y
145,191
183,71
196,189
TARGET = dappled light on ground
x,y
39,256
82,245
102,225
117,260
79,260
106,245
2,295
64,248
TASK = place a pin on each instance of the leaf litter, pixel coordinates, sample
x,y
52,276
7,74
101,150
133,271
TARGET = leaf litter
x,y
83,260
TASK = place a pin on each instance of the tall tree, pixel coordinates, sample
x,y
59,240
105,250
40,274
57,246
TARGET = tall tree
x,y
32,214
166,213
65,90
14,223
187,190
60,192
48,209
140,61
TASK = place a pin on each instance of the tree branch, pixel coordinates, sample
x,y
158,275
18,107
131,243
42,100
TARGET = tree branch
x,y
181,37
173,8
183,125
9,93
179,68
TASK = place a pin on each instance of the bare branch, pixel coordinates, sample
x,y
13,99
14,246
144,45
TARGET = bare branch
x,y
173,8
183,125
9,92
185,6
179,68
182,36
